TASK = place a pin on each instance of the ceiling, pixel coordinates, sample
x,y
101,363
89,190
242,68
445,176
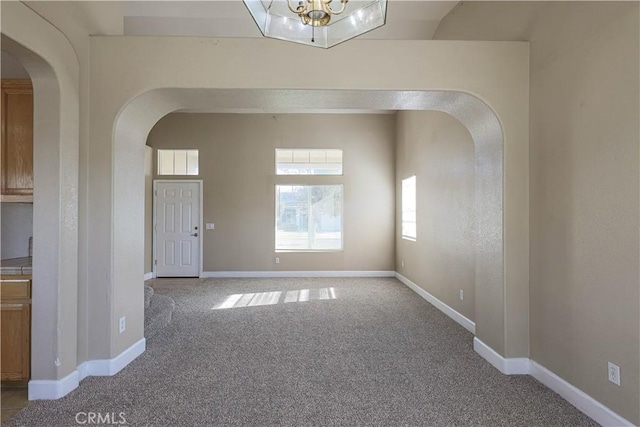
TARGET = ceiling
x,y
406,20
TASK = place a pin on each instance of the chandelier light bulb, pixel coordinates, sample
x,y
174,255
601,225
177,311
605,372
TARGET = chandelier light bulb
x,y
321,23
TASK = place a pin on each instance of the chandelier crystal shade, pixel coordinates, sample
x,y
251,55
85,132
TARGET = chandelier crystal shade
x,y
320,23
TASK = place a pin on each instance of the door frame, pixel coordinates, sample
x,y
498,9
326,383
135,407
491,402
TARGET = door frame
x,y
154,261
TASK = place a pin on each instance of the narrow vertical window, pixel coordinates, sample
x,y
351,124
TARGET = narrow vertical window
x,y
409,229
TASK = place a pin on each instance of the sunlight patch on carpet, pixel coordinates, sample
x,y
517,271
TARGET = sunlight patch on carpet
x,y
275,297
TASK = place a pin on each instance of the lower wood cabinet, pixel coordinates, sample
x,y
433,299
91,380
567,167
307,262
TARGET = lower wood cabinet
x,y
15,321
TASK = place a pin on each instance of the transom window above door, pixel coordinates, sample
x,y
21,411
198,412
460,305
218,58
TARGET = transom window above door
x,y
177,162
308,161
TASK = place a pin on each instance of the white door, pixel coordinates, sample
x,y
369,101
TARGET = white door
x,y
177,230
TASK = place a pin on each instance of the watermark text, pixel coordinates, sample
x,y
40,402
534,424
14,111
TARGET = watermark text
x,y
101,418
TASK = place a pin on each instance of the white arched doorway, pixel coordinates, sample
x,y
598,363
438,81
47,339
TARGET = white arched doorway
x,y
51,62
483,85
140,115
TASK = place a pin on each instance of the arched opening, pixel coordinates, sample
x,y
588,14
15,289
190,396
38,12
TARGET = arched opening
x,y
46,54
138,117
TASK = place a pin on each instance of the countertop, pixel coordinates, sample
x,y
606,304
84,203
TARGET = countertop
x,y
16,266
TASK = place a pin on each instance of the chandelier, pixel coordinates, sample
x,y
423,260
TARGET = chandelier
x,y
316,12
317,22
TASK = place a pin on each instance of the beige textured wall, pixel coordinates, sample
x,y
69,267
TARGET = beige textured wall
x,y
584,184
76,20
440,152
148,209
56,333
237,168
10,68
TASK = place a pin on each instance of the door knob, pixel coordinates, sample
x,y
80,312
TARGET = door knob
x,y
195,234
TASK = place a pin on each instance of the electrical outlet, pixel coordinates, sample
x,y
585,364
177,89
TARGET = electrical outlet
x,y
402,263
122,324
461,295
614,373
277,260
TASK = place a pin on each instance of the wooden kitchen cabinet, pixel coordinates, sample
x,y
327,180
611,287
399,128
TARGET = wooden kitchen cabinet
x,y
16,153
15,318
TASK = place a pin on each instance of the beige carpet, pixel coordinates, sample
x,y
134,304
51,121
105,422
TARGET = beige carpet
x,y
300,352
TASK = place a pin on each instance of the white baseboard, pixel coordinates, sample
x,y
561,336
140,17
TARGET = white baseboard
x,y
276,274
55,389
522,365
148,276
108,367
468,324
578,398
508,366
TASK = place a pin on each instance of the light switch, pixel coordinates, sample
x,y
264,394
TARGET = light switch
x,y
210,226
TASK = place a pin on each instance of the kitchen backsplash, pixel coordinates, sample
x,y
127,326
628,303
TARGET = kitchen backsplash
x,y
17,228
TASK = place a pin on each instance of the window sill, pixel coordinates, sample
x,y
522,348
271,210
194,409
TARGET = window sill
x,y
309,251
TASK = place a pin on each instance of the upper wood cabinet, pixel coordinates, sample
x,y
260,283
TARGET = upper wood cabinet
x,y
17,141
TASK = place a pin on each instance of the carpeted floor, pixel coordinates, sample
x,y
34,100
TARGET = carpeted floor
x,y
358,352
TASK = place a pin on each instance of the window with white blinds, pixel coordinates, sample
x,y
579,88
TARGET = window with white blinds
x,y
308,161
